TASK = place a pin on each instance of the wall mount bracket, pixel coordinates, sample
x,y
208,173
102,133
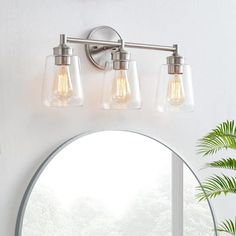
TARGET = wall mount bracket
x,y
99,54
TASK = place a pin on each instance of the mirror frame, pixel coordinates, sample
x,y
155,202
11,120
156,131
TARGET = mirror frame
x,y
33,181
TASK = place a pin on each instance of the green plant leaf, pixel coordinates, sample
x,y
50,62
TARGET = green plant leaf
x,y
229,163
228,226
222,137
215,186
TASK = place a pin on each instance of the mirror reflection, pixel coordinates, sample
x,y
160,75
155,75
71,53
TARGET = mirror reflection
x,y
115,183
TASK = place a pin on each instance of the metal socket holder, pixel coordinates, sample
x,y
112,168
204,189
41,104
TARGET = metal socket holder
x,y
62,52
120,59
175,64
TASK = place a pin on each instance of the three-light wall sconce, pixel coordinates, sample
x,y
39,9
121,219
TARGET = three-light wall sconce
x,y
106,50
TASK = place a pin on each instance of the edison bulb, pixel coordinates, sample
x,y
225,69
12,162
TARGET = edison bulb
x,y
120,87
62,88
175,90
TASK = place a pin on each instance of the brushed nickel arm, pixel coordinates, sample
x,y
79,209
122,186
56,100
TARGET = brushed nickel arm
x,y
118,44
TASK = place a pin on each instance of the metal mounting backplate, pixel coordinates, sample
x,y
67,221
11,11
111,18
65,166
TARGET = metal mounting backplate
x,y
98,54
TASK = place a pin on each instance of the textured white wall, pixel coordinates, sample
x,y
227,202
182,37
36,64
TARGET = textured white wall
x,y
205,31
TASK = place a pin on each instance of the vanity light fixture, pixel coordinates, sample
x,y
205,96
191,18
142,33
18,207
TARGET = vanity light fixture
x,y
175,92
106,50
62,84
121,83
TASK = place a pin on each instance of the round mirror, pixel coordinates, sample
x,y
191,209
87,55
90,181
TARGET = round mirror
x,y
114,183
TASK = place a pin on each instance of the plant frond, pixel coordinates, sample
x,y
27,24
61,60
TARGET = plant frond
x,y
229,163
228,226
215,186
222,137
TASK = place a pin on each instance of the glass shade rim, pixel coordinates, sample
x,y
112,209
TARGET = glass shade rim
x,y
132,107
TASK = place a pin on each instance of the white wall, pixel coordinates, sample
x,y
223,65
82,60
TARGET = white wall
x,y
205,31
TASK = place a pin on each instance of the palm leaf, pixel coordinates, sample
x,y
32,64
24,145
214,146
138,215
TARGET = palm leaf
x,y
222,137
229,163
228,226
215,186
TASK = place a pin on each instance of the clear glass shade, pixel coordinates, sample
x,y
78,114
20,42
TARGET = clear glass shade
x,y
62,84
121,88
175,91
